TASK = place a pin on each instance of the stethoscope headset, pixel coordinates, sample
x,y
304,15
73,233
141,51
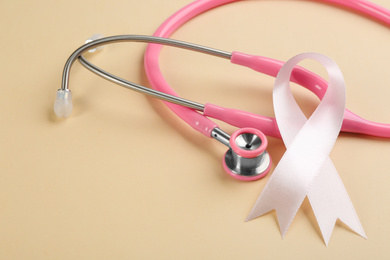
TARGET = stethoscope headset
x,y
246,158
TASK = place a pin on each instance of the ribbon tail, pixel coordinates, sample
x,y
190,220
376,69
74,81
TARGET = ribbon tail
x,y
330,201
284,214
280,196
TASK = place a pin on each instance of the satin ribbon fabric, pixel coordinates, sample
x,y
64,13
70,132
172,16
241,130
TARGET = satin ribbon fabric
x,y
306,169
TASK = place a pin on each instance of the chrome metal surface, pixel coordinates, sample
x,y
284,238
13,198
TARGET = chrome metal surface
x,y
241,165
248,141
140,88
247,166
135,38
221,136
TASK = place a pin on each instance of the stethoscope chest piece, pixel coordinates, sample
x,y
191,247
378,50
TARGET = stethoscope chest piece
x,y
247,158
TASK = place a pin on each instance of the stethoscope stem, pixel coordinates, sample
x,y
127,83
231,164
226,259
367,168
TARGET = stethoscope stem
x,y
221,136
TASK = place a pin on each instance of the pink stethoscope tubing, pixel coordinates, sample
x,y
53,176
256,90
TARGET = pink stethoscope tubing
x,y
268,66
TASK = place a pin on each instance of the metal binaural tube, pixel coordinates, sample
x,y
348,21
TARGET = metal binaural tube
x,y
133,86
135,38
139,88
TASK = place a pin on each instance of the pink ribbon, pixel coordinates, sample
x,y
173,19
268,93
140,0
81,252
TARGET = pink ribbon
x,y
306,169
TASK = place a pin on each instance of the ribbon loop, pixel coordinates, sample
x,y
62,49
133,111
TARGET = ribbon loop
x,y
306,169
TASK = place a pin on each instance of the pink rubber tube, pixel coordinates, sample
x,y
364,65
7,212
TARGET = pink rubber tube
x,y
301,76
352,122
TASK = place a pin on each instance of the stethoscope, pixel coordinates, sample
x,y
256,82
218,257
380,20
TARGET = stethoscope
x,y
246,158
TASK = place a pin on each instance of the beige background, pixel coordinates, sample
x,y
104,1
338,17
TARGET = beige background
x,y
123,178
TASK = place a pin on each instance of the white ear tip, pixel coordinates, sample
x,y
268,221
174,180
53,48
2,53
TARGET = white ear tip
x,y
63,105
94,37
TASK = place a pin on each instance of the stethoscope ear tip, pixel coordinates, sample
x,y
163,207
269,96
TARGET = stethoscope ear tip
x,y
63,105
94,37
247,159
